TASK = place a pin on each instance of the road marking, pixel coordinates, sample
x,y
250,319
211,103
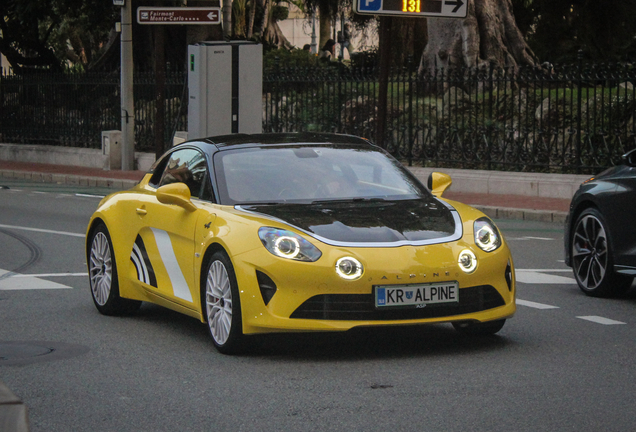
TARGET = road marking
x,y
535,305
89,195
600,320
42,230
542,276
17,275
13,282
545,270
530,238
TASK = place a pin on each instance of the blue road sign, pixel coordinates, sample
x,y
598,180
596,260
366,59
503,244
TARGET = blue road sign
x,y
369,5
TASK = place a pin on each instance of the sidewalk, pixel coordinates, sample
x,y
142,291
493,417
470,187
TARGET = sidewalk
x,y
497,206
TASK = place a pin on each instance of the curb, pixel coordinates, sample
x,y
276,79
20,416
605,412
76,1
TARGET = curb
x,y
522,214
68,179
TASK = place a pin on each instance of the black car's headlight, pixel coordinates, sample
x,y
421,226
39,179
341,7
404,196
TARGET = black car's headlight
x,y
286,244
487,236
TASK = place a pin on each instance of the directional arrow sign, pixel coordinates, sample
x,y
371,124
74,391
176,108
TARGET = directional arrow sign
x,y
178,15
413,8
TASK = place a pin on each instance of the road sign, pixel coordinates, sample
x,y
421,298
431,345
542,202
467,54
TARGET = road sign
x,y
179,15
413,8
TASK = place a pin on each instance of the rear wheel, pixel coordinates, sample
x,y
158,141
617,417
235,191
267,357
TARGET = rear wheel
x,y
479,328
222,305
592,259
103,276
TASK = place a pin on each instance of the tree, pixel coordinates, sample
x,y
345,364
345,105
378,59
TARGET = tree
x,y
50,33
488,35
557,29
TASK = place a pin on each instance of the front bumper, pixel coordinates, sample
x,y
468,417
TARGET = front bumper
x,y
311,297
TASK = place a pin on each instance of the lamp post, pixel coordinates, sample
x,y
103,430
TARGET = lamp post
x,y
314,45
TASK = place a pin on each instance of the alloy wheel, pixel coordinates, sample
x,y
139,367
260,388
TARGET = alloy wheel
x,y
101,269
589,252
218,302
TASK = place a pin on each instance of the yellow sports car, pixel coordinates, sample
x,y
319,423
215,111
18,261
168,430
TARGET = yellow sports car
x,y
297,232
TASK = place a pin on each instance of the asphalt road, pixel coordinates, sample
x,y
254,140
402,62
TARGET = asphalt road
x,y
563,363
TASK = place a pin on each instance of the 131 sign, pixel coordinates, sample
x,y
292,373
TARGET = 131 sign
x,y
413,8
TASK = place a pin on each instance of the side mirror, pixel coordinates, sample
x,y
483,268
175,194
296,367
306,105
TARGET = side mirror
x,y
629,158
176,194
438,182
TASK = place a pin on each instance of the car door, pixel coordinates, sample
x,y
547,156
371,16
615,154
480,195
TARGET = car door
x,y
621,210
164,250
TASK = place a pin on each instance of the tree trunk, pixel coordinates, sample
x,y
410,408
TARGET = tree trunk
x,y
488,35
324,27
250,26
266,6
227,19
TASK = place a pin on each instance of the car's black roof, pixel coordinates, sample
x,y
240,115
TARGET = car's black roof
x,y
284,138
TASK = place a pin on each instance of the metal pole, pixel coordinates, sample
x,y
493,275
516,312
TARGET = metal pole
x,y
314,45
383,81
127,101
160,90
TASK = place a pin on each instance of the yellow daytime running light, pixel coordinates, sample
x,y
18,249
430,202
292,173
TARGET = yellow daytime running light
x,y
467,261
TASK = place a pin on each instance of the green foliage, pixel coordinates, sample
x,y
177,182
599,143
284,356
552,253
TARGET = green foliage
x,y
52,33
289,58
557,29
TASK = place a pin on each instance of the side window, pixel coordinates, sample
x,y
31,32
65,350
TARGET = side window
x,y
188,166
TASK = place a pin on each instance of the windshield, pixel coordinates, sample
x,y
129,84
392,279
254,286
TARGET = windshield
x,y
304,174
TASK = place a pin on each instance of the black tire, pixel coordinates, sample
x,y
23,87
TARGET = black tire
x,y
102,272
592,257
479,329
221,304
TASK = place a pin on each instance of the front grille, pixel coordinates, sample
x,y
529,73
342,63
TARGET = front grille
x,y
360,307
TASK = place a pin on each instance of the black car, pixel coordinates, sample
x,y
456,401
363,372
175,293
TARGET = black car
x,y
600,233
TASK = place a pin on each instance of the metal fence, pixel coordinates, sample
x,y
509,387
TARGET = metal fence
x,y
570,119
574,119
72,109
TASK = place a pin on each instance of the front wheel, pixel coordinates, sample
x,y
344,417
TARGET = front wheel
x,y
103,276
222,305
479,328
592,259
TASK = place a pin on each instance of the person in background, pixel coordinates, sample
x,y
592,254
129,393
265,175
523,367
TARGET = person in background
x,y
327,52
346,40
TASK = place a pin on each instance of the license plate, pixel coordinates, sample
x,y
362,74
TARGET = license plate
x,y
416,295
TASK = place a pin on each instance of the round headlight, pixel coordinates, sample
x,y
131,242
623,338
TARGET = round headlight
x,y
286,247
467,261
286,244
349,268
486,235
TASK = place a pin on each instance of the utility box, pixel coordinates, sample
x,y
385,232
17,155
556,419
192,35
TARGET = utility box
x,y
225,84
111,148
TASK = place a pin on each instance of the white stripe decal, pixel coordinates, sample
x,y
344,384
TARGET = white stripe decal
x,y
42,230
179,285
535,305
139,262
600,320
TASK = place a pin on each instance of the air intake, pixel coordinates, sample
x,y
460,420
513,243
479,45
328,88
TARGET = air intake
x,y
266,285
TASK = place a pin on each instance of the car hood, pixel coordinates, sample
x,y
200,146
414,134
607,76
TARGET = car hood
x,y
419,221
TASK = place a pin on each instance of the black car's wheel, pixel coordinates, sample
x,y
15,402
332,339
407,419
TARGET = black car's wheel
x,y
103,276
592,259
222,305
479,329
